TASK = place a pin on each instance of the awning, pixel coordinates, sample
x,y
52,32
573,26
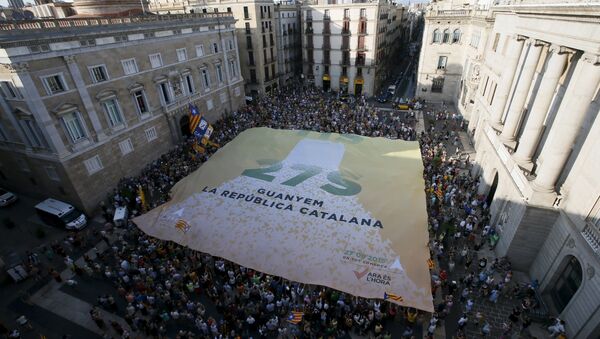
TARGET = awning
x,y
344,79
326,77
359,81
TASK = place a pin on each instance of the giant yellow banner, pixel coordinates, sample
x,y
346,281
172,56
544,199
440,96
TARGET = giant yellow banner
x,y
342,211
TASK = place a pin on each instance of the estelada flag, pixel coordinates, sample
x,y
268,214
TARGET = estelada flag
x,y
391,296
195,118
295,317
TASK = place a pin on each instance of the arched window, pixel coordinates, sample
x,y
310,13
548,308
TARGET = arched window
x,y
567,282
456,36
446,36
437,36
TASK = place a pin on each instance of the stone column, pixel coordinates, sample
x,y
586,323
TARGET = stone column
x,y
37,107
510,66
570,116
543,99
13,121
85,96
522,88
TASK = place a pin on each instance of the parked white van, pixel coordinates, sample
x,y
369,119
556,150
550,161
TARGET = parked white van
x,y
61,214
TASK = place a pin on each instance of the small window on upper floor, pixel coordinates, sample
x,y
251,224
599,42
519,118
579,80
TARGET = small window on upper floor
x,y
456,36
54,84
155,60
437,36
181,54
446,37
98,73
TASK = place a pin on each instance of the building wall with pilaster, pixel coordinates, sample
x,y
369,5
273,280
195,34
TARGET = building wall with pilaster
x,y
124,149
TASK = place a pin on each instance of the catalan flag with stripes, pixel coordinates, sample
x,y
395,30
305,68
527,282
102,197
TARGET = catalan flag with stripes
x,y
182,226
394,297
430,263
439,192
295,317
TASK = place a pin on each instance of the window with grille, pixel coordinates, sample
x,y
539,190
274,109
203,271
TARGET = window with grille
x,y
54,84
215,48
151,134
126,146
155,60
99,73
181,54
93,164
437,85
129,66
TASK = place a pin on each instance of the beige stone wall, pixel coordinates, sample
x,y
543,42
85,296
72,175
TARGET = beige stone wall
x,y
91,188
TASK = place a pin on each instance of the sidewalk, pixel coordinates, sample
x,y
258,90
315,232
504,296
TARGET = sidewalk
x,y
52,299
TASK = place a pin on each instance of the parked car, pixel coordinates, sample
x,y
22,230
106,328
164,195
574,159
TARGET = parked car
x,y
6,198
383,97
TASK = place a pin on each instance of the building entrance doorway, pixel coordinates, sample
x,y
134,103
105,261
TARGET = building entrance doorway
x,y
184,124
490,196
326,85
568,280
358,89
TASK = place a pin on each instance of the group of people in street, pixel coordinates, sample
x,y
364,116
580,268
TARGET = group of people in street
x,y
162,289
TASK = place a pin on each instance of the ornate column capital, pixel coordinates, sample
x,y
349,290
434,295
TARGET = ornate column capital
x,y
21,67
69,59
558,49
537,43
520,37
594,59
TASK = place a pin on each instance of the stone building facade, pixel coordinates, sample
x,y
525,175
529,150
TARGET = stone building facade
x,y
533,103
346,44
93,100
289,41
256,31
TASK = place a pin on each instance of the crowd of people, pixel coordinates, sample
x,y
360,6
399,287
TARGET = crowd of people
x,y
169,290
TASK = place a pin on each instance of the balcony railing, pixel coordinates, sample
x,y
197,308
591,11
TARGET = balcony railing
x,y
45,24
592,237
